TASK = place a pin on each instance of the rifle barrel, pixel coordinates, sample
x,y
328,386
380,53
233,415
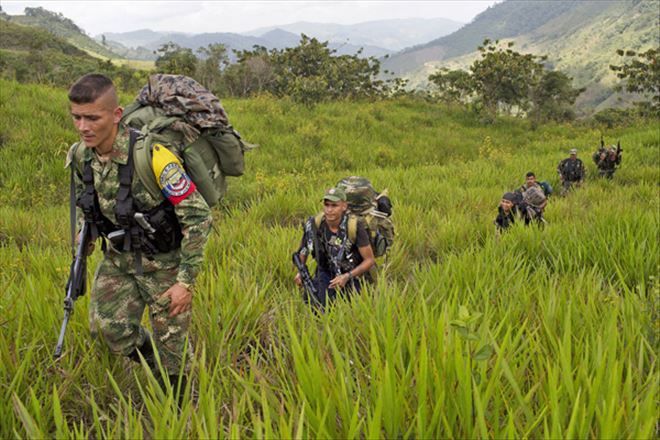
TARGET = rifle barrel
x,y
75,286
60,340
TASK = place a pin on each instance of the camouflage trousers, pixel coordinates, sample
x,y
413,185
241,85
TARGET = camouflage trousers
x,y
119,297
605,172
567,185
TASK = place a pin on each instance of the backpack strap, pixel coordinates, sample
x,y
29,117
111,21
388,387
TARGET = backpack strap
x,y
351,227
125,206
142,159
318,218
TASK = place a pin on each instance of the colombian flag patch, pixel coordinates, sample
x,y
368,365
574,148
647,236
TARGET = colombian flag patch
x,y
175,184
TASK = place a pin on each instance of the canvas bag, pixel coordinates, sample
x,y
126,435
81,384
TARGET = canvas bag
x,y
362,201
177,111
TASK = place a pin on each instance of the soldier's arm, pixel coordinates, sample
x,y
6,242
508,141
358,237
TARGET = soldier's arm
x,y
195,218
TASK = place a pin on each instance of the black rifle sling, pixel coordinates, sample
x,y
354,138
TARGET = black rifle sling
x,y
89,203
72,211
343,236
125,207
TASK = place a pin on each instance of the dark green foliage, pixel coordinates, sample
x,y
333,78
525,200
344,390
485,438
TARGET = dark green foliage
x,y
552,98
175,59
503,80
309,73
252,74
503,77
209,67
452,85
641,74
614,117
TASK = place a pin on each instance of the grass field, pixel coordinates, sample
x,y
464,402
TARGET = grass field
x,y
540,333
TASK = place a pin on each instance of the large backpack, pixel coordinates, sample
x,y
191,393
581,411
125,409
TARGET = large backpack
x,y
534,196
547,188
365,203
177,111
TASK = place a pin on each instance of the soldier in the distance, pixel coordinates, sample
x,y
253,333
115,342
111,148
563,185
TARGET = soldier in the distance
x,y
571,172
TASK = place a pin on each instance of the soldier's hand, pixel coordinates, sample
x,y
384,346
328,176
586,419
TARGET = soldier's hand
x,y
180,299
298,279
339,281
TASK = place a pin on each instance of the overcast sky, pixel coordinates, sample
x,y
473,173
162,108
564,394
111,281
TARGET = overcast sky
x,y
96,17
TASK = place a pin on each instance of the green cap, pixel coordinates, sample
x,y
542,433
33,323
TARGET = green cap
x,y
335,195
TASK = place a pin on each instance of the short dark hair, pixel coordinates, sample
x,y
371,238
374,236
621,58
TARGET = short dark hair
x,y
530,174
89,88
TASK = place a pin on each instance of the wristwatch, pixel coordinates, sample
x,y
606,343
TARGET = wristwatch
x,y
188,287
350,276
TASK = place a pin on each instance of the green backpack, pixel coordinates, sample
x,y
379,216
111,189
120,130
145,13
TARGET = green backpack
x,y
365,202
176,110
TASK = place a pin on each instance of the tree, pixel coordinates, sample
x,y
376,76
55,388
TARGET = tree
x,y
552,98
452,85
641,74
251,74
173,58
213,61
504,77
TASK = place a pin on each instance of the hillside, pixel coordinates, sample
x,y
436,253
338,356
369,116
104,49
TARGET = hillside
x,y
538,333
580,38
62,27
32,54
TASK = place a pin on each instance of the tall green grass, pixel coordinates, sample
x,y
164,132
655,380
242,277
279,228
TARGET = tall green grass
x,y
538,333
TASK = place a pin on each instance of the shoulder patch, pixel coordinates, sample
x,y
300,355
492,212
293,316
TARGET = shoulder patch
x,y
172,179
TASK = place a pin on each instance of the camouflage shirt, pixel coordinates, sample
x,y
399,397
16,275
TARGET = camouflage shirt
x,y
571,170
193,212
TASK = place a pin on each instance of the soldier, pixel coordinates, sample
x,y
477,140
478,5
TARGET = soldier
x,y
153,248
607,160
530,181
571,171
342,261
506,212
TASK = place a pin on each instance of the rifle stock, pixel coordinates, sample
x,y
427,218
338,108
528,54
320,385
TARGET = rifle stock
x,y
75,286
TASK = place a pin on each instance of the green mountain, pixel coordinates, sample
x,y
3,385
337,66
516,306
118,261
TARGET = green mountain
x,y
29,54
62,27
579,37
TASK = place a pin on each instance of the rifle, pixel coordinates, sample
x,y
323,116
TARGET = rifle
x,y
308,283
75,286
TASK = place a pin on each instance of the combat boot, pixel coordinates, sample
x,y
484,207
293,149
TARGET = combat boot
x,y
178,384
147,352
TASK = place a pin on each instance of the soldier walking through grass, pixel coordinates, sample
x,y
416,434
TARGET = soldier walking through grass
x,y
506,212
340,244
571,172
153,247
607,160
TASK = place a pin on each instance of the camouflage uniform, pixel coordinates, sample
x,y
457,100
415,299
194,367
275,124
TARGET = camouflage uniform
x,y
119,295
571,171
360,194
608,164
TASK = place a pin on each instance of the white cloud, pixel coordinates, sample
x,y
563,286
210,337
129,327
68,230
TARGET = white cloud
x,y
96,17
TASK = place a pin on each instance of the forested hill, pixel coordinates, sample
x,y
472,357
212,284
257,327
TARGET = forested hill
x,y
580,38
62,27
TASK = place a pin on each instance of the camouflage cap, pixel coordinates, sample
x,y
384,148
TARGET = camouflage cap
x,y
335,195
573,151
